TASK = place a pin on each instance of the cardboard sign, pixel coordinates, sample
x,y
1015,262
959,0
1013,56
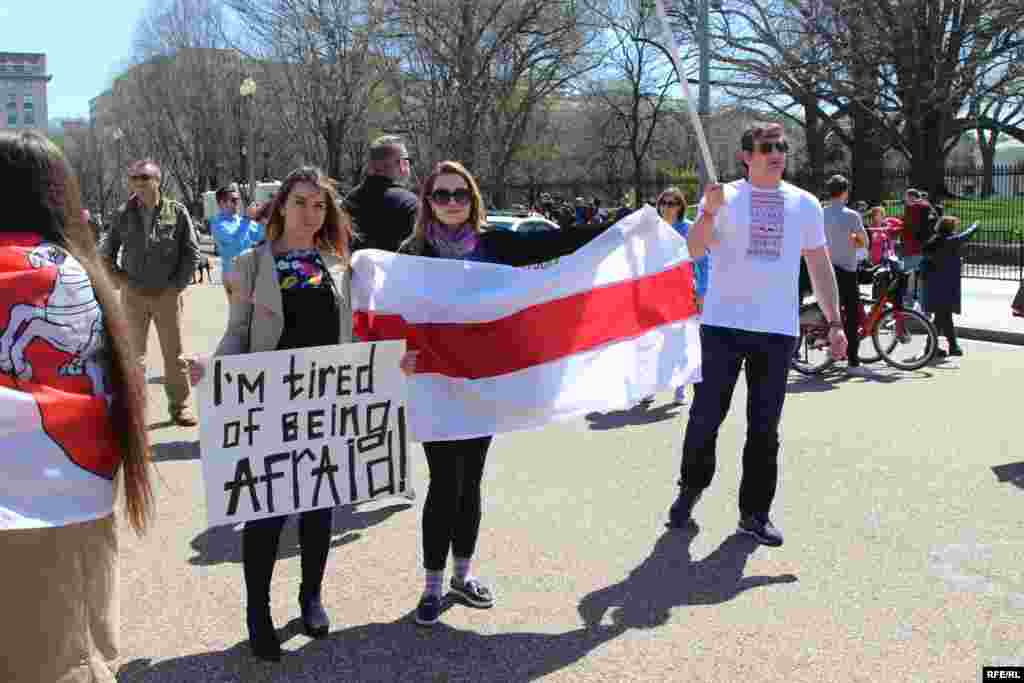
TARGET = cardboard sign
x,y
288,431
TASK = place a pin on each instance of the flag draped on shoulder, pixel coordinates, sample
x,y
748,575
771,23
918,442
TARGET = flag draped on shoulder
x,y
58,450
505,349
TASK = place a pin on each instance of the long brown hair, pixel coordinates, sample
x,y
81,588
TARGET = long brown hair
x,y
477,212
43,197
337,232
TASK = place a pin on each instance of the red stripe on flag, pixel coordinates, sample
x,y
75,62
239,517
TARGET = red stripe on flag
x,y
542,333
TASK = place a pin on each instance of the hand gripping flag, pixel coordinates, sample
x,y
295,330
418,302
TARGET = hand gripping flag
x,y
505,349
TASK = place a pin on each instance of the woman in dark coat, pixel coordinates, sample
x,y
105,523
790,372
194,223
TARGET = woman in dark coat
x,y
942,278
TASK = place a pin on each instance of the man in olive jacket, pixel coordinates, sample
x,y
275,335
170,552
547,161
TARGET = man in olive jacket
x,y
383,211
158,251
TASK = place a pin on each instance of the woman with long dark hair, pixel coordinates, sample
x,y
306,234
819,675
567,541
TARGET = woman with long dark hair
x,y
285,288
450,225
72,418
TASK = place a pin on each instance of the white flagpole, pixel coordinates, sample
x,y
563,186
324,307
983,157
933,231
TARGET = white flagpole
x,y
705,152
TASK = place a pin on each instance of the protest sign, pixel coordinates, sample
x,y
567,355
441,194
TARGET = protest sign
x,y
289,431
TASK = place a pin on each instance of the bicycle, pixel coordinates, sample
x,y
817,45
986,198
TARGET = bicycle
x,y
903,338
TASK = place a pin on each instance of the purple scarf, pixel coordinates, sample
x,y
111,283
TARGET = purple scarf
x,y
451,242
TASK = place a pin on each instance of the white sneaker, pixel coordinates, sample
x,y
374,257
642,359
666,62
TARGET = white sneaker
x,y
680,395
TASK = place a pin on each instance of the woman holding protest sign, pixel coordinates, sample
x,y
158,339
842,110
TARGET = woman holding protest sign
x,y
285,287
72,416
450,225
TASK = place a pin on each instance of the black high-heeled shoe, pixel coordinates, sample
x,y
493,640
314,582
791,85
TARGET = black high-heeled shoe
x,y
315,621
262,636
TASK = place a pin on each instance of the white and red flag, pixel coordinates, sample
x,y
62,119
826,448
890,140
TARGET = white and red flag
x,y
505,349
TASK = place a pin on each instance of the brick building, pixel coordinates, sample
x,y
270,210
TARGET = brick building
x,y
23,81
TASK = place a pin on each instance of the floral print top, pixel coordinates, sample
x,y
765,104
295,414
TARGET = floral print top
x,y
300,269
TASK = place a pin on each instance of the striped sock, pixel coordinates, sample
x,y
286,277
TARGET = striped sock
x,y
462,567
434,583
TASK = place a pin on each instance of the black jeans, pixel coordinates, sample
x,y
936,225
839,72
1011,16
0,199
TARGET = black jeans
x,y
766,358
451,513
944,325
259,553
849,302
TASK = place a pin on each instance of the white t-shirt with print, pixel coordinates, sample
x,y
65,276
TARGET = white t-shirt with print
x,y
760,234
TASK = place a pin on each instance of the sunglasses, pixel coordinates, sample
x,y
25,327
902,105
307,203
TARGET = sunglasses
x,y
460,196
670,202
142,178
768,147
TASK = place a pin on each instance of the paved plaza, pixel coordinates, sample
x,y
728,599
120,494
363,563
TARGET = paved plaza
x,y
901,499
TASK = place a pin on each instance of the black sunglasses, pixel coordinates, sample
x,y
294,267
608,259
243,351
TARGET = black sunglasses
x,y
767,147
670,202
143,177
461,196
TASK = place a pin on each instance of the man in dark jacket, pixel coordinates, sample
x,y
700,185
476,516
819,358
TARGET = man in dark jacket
x,y
152,251
383,211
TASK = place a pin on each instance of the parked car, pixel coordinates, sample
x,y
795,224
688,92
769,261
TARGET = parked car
x,y
519,223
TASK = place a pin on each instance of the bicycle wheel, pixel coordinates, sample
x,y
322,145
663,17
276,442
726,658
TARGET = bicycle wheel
x,y
867,353
905,339
812,355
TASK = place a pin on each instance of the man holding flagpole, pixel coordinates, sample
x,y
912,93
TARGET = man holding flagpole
x,y
757,229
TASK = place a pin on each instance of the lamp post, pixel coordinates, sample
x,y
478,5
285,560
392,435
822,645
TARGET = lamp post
x,y
248,91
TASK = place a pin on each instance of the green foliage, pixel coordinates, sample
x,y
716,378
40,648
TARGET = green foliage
x,y
682,177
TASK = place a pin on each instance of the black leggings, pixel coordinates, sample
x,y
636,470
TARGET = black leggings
x,y
946,328
259,553
451,513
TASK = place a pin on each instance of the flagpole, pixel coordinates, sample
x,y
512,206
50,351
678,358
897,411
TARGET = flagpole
x,y
705,152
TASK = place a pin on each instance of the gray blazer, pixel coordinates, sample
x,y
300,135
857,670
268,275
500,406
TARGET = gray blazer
x,y
253,328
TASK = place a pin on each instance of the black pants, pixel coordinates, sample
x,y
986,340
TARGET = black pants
x,y
849,301
451,513
259,553
946,328
766,358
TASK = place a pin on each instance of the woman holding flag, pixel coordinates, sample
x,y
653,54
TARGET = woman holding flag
x,y
450,225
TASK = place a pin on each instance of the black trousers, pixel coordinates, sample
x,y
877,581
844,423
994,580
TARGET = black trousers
x,y
451,513
259,553
946,328
849,302
765,359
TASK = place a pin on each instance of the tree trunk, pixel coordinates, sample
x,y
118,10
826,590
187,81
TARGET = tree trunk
x,y
814,135
988,162
928,162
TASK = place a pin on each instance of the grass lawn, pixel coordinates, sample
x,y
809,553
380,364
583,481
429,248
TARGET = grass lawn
x,y
995,215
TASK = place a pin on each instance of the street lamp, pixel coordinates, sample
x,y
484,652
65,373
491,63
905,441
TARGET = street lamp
x,y
248,91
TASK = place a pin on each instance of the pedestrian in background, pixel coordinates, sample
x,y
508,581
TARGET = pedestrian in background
x,y
58,535
152,250
232,232
941,267
382,209
845,235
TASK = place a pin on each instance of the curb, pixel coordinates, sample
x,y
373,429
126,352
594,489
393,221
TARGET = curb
x,y
998,336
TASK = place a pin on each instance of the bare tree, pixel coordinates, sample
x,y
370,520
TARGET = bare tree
x,y
473,73
323,60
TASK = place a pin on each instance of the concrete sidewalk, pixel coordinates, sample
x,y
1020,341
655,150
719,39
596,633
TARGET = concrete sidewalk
x,y
986,312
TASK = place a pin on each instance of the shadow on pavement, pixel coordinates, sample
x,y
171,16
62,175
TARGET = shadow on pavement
x,y
1011,472
669,578
640,414
171,451
402,651
224,544
811,384
160,425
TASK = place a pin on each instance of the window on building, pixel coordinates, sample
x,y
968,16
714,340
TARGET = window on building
x,y
12,101
30,117
12,118
19,68
27,102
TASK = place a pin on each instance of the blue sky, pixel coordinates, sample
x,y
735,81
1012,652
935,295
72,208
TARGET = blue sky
x,y
86,44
